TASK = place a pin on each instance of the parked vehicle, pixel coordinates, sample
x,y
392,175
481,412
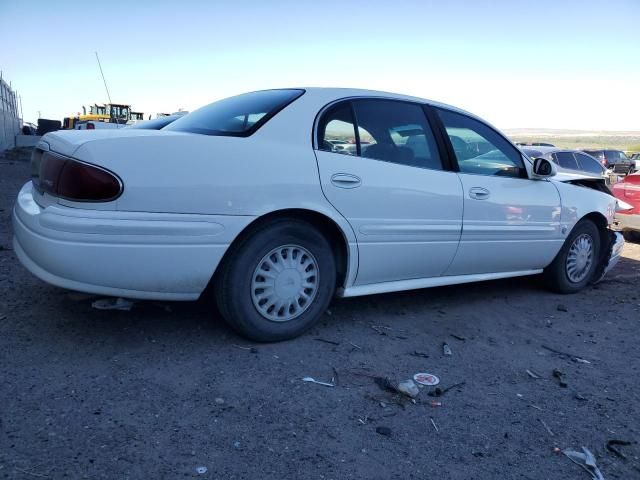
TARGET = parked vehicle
x,y
614,160
534,144
569,161
636,158
156,123
628,191
246,200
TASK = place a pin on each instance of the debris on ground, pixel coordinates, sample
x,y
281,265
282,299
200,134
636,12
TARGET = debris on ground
x,y
560,376
611,447
544,424
562,308
324,340
566,355
433,403
434,425
219,400
458,337
427,379
446,349
112,303
416,353
438,392
386,431
407,387
380,329
580,397
251,349
313,380
586,461
201,470
532,374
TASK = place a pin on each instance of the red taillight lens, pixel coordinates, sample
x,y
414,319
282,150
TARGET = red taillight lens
x,y
603,162
91,126
76,181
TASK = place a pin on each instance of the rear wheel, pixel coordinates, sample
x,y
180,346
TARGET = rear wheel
x,y
574,266
277,282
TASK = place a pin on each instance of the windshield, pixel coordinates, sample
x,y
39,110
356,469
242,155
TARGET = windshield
x,y
238,116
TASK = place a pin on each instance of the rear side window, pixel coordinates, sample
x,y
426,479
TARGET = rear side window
x,y
588,164
337,131
238,116
566,160
387,130
479,149
396,132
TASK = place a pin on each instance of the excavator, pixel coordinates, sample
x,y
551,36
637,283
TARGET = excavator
x,y
109,115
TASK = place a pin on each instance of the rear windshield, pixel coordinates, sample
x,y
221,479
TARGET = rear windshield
x,y
238,116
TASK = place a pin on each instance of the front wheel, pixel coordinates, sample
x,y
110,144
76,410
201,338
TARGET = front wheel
x,y
574,266
277,282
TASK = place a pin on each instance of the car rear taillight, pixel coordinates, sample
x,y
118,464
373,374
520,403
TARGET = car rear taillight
x,y
74,180
603,162
91,126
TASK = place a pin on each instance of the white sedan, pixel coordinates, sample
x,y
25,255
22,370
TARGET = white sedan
x,y
246,199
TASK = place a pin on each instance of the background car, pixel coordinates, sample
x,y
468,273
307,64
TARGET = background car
x,y
156,123
570,161
614,160
534,144
635,157
628,190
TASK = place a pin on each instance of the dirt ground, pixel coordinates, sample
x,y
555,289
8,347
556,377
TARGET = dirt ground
x,y
165,389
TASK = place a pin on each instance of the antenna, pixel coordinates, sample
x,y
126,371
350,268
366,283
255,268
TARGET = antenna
x,y
105,84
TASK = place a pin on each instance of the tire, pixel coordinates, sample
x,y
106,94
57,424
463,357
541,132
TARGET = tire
x,y
277,256
630,236
557,274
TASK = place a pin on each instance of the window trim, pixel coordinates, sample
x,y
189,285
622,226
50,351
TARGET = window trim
x,y
447,165
524,172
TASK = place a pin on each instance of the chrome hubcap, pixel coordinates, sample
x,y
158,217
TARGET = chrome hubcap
x,y
580,258
285,283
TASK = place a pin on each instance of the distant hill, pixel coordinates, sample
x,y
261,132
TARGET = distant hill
x,y
628,141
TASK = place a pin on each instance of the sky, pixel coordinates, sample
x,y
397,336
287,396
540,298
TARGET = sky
x,y
518,64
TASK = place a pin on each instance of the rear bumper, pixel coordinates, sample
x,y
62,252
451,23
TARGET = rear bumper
x,y
627,222
129,254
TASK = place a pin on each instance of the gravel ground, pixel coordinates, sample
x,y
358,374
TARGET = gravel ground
x,y
164,389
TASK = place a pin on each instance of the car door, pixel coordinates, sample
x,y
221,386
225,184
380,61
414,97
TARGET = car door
x,y
511,223
388,181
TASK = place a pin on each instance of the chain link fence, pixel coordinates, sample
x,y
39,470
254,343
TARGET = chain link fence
x,y
10,120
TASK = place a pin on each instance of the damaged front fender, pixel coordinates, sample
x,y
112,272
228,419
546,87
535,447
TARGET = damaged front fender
x,y
611,255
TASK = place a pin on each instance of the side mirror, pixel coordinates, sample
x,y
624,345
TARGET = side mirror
x,y
543,168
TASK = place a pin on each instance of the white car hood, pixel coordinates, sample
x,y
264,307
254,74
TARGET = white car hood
x,y
67,142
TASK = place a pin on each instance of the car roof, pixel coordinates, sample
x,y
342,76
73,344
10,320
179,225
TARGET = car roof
x,y
340,93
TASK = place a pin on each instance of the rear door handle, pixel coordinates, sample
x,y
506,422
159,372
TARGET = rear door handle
x,y
479,193
346,180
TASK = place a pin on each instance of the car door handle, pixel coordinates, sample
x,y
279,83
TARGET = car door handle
x,y
479,193
346,180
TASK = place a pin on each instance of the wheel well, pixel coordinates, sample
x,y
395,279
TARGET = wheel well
x,y
602,224
324,224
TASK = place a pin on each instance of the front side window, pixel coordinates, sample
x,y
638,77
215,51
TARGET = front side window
x,y
566,160
479,149
588,164
238,116
396,132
